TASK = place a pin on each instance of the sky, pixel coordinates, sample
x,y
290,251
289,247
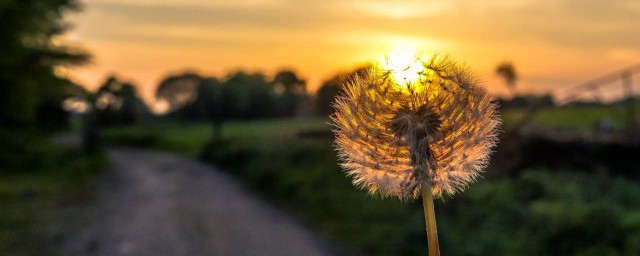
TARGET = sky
x,y
553,44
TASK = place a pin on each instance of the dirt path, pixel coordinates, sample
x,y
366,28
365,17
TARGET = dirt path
x,y
161,204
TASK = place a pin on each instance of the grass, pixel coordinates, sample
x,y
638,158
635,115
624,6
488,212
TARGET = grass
x,y
53,176
577,119
189,139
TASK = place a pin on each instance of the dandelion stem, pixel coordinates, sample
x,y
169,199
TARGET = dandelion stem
x,y
430,218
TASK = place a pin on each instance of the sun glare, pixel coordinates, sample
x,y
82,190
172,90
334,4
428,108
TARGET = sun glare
x,y
404,65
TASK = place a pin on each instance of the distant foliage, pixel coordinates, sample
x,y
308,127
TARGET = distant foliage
x,y
331,88
290,92
209,104
507,71
240,95
250,96
117,103
178,90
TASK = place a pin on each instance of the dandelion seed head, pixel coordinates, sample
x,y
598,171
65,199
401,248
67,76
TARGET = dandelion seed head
x,y
392,134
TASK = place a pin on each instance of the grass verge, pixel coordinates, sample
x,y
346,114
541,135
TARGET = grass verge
x,y
49,177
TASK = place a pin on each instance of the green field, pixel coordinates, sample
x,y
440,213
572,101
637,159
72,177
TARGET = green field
x,y
47,178
189,139
578,119
540,212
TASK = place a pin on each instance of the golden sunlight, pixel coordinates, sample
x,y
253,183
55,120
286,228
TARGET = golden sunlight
x,y
404,65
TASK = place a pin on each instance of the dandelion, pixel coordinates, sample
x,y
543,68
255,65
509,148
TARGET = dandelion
x,y
415,126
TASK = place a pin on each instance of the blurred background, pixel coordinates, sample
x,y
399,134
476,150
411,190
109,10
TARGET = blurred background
x,y
246,87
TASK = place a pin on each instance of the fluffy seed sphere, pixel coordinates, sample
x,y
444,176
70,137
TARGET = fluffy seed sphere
x,y
391,135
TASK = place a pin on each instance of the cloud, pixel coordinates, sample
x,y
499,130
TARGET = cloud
x,y
590,23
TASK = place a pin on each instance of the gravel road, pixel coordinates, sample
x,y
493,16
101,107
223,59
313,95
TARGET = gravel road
x,y
152,203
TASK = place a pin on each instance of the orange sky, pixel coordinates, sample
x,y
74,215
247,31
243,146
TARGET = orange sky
x,y
553,43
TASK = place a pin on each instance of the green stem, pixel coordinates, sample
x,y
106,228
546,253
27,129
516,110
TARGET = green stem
x,y
430,219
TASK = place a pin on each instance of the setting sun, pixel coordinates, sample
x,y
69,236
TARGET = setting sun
x,y
404,66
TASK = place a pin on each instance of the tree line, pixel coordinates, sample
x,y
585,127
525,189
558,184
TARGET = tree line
x,y
193,97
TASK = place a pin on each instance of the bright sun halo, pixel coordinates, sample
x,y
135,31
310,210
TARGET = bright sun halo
x,y
404,65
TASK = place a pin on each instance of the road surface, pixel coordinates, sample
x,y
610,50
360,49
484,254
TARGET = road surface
x,y
152,203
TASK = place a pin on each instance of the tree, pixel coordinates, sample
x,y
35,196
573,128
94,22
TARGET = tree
x,y
210,105
178,90
29,86
290,90
117,103
325,96
240,95
507,71
248,96
289,82
331,88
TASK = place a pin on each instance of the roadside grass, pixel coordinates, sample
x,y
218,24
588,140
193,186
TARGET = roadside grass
x,y
537,213
50,177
